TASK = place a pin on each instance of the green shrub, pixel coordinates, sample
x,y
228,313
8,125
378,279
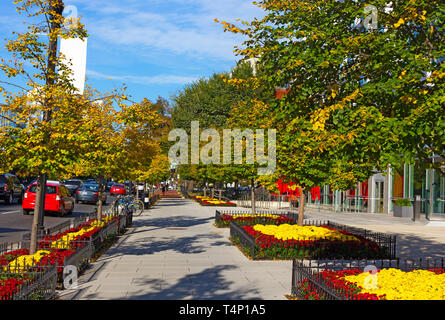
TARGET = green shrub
x,y
403,203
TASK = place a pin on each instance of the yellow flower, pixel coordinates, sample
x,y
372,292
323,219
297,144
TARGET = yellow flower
x,y
287,232
399,23
399,285
21,263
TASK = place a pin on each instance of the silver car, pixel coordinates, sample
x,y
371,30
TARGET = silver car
x,y
89,193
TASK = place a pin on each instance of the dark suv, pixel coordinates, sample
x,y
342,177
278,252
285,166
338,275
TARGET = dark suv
x,y
72,185
10,188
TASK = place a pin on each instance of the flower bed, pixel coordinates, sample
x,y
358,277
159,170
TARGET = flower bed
x,y
252,219
390,284
9,286
74,237
287,241
53,250
208,201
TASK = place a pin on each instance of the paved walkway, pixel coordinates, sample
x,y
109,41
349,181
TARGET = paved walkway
x,y
415,239
173,251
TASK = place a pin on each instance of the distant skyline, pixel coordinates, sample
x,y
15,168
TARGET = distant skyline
x,y
155,47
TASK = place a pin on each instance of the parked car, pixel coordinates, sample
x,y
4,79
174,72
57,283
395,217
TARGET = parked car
x,y
117,188
10,188
109,185
72,185
57,199
90,181
129,187
89,193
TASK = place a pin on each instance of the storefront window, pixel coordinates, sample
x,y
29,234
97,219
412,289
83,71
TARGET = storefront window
x,y
420,186
438,193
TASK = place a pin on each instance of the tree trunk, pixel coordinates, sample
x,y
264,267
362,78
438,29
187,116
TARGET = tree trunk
x,y
301,207
205,193
145,189
99,203
39,208
137,190
252,184
220,195
37,212
236,188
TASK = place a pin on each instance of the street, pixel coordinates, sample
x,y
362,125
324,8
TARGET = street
x,y
13,224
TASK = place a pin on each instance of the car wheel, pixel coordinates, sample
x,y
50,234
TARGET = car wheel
x,y
25,212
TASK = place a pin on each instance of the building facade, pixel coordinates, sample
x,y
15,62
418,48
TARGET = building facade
x,y
379,193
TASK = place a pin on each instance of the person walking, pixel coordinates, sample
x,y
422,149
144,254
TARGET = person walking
x,y
163,190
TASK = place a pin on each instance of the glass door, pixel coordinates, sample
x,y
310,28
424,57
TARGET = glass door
x,y
378,197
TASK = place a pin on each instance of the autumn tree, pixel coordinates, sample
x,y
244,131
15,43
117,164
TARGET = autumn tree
x,y
101,137
45,108
158,171
251,112
359,77
208,101
144,128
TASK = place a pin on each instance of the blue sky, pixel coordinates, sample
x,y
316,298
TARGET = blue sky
x,y
155,47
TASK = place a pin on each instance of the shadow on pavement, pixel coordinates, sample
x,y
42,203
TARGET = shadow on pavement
x,y
151,245
209,284
411,246
170,222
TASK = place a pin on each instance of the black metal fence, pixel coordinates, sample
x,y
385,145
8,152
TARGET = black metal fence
x,y
383,240
32,283
309,282
372,245
260,217
242,238
47,273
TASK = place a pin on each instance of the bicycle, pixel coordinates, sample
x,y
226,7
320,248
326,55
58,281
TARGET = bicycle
x,y
129,203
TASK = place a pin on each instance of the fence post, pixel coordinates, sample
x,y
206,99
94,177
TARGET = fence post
x,y
253,248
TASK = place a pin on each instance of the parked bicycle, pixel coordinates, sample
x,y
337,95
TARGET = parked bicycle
x,y
128,203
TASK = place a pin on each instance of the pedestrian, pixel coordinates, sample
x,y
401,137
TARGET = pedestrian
x,y
163,190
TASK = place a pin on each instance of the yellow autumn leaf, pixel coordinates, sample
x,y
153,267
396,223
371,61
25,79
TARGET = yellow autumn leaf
x,y
399,23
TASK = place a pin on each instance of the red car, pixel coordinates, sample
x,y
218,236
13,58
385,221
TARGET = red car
x,y
117,188
57,199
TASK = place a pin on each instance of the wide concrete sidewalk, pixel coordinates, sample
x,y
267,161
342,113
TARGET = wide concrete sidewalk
x,y
174,252
414,239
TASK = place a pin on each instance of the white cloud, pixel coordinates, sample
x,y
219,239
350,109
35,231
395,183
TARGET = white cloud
x,y
144,80
183,27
